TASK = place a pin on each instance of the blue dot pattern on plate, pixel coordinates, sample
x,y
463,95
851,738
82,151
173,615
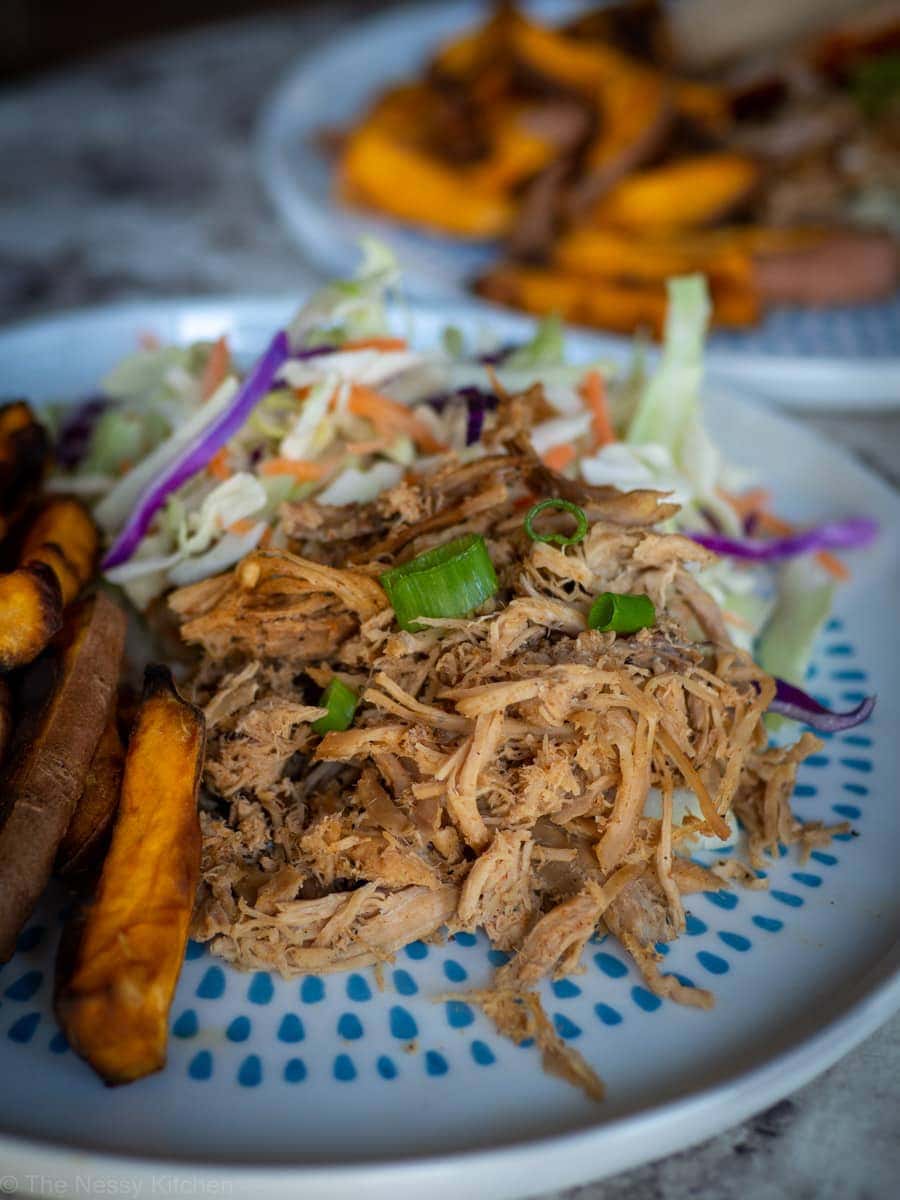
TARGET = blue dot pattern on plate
x,y
294,1070
376,1026
349,1027
291,1029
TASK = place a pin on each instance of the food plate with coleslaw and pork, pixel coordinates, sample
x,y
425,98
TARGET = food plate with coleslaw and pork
x,y
541,731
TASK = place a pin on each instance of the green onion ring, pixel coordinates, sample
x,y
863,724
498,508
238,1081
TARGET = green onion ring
x,y
581,522
341,702
451,580
621,613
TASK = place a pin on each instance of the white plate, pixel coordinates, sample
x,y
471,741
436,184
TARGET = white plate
x,y
331,1088
835,359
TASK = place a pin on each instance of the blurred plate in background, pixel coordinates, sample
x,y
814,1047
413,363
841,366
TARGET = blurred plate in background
x,y
843,358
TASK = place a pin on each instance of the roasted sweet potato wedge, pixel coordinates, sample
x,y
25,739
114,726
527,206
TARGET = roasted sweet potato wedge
x,y
64,536
381,173
31,613
120,958
82,848
616,254
621,306
680,195
46,775
24,455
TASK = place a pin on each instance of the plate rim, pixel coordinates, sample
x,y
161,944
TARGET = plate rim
x,y
870,1002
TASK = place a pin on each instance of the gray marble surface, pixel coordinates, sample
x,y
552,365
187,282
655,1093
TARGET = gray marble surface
x,y
130,176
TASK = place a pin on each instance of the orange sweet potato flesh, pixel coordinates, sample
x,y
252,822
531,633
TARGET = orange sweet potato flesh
x,y
85,840
121,957
617,254
64,536
619,306
685,194
402,181
31,613
45,777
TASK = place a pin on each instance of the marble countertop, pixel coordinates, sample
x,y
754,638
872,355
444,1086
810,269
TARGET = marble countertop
x,y
130,176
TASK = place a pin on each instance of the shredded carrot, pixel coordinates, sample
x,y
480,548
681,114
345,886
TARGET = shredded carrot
x,y
769,523
125,467
391,418
244,525
303,471
366,447
557,458
218,465
376,343
266,540
746,504
593,393
148,340
217,367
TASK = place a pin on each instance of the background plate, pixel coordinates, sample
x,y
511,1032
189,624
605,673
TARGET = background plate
x,y
333,1086
838,358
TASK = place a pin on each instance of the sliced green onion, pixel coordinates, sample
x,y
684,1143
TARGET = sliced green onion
x,y
581,522
341,702
449,581
621,613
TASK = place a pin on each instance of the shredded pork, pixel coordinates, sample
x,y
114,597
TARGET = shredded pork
x,y
496,773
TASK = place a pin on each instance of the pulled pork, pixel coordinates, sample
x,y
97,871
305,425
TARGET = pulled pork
x,y
496,774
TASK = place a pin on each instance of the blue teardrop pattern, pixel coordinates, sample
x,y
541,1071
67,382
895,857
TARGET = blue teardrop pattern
x,y
404,983
458,1014
186,1025
212,985
312,990
358,989
607,1014
290,1029
25,986
403,1025
261,988
436,1064
294,1070
482,1054
201,1066
344,1069
386,1067
250,1072
349,1027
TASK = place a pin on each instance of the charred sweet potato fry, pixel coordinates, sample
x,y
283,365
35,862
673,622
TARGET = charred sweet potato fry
x,y
24,455
85,840
680,195
63,536
46,775
31,613
120,959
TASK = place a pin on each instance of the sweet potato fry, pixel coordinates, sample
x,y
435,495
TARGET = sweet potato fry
x,y
615,254
85,840
120,959
46,775
379,172
64,537
24,454
31,613
620,306
680,195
